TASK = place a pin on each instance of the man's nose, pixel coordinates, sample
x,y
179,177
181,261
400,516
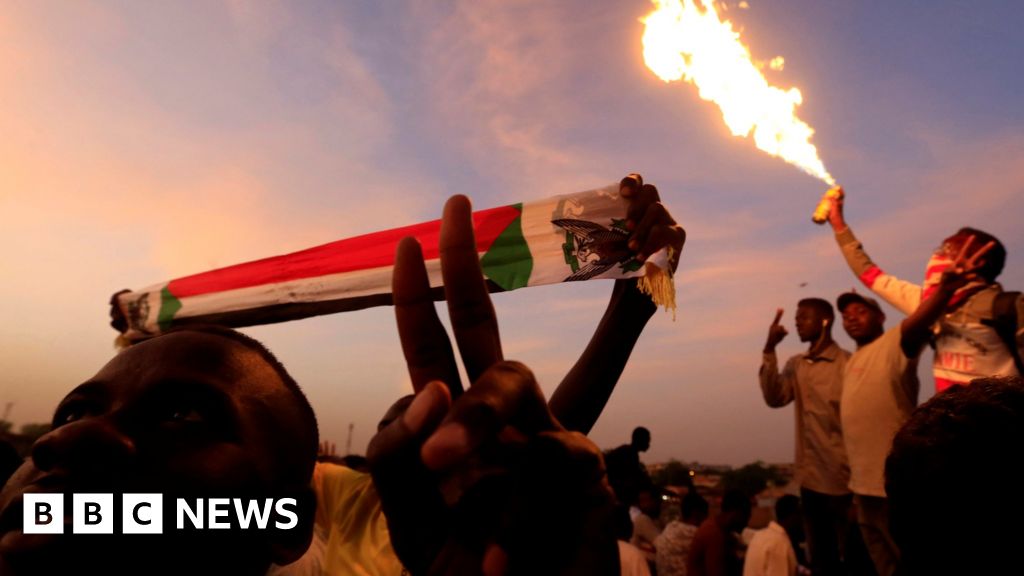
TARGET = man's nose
x,y
91,444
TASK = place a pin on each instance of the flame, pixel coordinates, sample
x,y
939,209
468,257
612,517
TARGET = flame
x,y
684,41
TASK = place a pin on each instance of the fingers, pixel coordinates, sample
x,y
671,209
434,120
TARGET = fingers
x,y
428,352
415,509
963,249
469,306
505,395
566,473
639,202
976,261
660,237
630,185
655,227
778,317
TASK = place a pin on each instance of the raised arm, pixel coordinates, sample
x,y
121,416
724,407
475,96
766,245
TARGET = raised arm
x,y
904,296
778,389
583,393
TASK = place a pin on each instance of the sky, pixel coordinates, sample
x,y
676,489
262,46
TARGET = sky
x,y
147,141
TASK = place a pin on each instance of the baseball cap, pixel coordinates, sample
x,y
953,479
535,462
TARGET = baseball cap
x,y
848,298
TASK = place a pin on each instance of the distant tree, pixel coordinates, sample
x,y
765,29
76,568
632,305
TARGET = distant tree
x,y
5,427
751,478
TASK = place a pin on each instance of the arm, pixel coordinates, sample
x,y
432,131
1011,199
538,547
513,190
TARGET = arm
x,y
904,296
583,393
916,328
585,390
777,389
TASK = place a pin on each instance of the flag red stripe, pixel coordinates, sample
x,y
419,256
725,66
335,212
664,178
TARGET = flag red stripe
x,y
368,251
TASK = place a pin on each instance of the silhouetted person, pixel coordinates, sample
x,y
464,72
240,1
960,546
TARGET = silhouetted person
x,y
954,481
626,473
674,542
814,381
715,547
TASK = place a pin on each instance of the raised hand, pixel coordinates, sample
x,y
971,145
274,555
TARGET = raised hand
x,y
964,268
835,213
484,481
776,332
650,224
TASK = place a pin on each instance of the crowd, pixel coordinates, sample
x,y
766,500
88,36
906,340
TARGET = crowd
x,y
492,478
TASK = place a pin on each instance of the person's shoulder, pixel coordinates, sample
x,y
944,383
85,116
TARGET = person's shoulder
x,y
334,483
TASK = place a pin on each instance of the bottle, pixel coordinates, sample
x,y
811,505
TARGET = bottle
x,y
820,215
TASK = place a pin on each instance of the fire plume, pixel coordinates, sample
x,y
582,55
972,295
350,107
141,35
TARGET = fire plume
x,y
684,40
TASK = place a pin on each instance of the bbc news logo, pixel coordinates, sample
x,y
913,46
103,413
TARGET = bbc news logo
x,y
144,514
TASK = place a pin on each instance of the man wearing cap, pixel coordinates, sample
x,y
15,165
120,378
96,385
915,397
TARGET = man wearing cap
x,y
880,389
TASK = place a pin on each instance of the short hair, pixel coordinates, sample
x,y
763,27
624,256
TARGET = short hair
x,y
310,447
994,259
823,307
786,506
641,432
955,474
693,504
736,501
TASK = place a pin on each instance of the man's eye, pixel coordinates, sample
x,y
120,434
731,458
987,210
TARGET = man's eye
x,y
71,412
184,415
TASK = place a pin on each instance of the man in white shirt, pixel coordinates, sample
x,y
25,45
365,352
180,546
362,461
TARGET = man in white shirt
x,y
771,551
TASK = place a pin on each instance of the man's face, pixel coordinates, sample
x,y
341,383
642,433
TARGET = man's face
x,y
186,414
862,322
809,323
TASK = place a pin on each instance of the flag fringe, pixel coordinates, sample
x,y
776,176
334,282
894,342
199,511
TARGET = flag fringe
x,y
659,284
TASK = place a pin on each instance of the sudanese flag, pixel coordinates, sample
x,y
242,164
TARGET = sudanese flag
x,y
572,237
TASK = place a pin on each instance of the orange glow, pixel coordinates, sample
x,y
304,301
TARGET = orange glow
x,y
686,41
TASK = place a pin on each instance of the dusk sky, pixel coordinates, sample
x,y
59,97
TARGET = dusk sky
x,y
143,141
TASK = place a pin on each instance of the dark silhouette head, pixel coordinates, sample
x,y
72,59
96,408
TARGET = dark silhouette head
x,y
195,413
641,439
787,513
648,500
735,514
954,480
694,508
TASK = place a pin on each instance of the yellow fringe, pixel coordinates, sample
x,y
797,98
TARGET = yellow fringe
x,y
121,342
660,286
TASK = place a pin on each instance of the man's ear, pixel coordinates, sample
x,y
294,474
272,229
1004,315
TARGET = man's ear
x,y
287,546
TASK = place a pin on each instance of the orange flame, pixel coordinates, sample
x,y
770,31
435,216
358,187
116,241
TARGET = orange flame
x,y
689,42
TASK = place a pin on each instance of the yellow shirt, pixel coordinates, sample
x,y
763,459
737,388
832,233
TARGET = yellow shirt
x,y
350,520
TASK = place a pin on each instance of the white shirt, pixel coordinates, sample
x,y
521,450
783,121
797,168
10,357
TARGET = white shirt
x,y
770,553
632,561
